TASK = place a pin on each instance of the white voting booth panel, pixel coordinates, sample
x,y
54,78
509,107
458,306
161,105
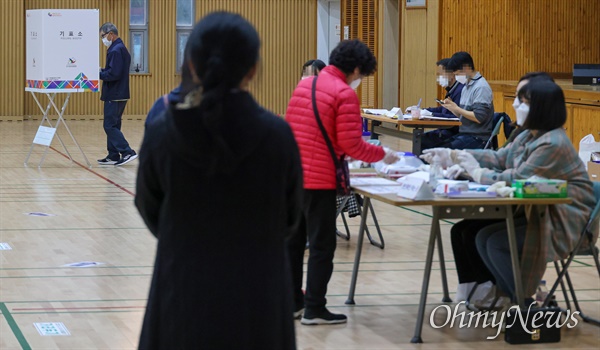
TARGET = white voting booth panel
x,y
62,53
62,50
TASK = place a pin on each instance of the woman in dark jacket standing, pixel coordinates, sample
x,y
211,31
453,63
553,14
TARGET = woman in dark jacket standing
x,y
219,185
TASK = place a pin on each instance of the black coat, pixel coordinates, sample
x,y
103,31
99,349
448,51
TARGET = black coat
x,y
221,277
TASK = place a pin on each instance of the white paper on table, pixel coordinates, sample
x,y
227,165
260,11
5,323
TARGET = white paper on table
x,y
423,175
371,181
379,189
438,118
375,111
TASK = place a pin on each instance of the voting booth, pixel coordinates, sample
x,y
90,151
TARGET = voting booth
x,y
62,54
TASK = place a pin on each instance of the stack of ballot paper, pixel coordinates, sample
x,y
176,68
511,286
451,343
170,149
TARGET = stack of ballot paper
x,y
392,113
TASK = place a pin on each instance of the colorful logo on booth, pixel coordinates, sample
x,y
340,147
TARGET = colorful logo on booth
x,y
72,62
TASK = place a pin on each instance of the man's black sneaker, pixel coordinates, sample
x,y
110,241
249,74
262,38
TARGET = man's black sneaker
x,y
126,158
321,316
107,161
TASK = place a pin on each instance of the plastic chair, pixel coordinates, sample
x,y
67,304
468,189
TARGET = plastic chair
x,y
381,243
497,122
563,272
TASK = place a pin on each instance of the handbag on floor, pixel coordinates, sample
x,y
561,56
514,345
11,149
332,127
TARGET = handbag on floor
x,y
545,330
342,173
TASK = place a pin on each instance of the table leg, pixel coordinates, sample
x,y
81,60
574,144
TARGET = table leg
x,y
359,243
446,298
514,256
416,140
374,136
433,234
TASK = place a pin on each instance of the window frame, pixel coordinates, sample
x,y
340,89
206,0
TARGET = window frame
x,y
134,30
183,30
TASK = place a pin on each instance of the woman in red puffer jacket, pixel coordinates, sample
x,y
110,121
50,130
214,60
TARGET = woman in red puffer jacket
x,y
339,110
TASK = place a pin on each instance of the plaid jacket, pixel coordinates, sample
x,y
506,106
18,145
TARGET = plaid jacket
x,y
552,231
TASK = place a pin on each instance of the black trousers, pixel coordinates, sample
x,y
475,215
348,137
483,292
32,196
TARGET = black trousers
x,y
469,265
116,144
318,224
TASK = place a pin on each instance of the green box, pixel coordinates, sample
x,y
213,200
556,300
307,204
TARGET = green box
x,y
540,188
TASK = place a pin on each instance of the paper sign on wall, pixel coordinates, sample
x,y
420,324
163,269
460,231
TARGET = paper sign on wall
x,y
44,136
414,188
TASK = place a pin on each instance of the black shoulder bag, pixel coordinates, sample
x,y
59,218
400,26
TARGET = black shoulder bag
x,y
342,174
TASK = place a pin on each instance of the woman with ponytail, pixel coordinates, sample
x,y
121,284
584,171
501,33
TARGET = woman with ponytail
x,y
219,185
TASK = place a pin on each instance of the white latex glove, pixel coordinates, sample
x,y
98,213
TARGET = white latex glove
x,y
471,165
445,155
390,157
408,109
454,171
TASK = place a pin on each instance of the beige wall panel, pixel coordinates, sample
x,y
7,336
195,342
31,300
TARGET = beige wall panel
x,y
288,33
418,54
287,29
387,57
510,37
12,60
414,67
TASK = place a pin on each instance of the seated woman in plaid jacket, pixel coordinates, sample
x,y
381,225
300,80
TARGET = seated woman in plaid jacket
x,y
548,233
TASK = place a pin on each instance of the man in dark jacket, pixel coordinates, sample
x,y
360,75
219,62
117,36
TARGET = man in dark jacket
x,y
453,88
115,93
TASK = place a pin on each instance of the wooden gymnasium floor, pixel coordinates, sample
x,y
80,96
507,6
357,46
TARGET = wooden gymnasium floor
x,y
94,219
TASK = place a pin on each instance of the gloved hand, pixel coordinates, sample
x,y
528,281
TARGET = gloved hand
x,y
454,171
390,157
471,165
445,155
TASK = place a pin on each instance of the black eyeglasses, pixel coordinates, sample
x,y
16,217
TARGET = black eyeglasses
x,y
103,35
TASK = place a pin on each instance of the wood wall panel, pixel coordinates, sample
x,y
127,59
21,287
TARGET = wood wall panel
x,y
362,18
287,29
510,37
418,54
288,33
585,121
12,64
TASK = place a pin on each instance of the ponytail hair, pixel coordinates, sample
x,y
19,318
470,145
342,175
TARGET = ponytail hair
x,y
222,49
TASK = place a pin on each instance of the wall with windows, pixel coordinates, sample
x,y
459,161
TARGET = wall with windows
x,y
155,33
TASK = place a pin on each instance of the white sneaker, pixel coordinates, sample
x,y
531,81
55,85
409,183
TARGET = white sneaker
x,y
463,290
482,291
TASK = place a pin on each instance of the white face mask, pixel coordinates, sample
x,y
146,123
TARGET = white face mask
x,y
442,80
522,112
516,103
355,83
106,42
461,78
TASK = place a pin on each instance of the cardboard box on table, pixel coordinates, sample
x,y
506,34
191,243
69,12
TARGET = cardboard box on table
x,y
594,171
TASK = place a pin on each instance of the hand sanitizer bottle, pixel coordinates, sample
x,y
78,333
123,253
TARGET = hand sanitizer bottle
x,y
435,172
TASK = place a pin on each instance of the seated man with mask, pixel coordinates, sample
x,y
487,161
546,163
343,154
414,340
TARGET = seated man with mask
x,y
475,108
445,78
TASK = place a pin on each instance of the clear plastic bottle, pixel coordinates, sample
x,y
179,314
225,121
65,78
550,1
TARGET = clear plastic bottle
x,y
436,172
541,293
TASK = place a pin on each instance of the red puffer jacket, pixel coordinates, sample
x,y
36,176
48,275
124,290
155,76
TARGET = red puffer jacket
x,y
340,113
